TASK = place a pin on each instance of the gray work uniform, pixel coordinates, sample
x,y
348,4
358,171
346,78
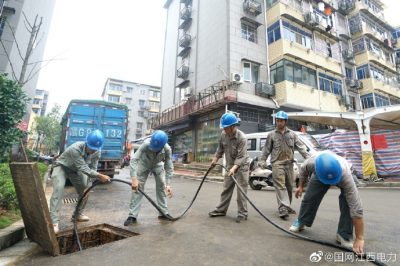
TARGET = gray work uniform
x,y
281,147
76,165
349,200
144,162
235,150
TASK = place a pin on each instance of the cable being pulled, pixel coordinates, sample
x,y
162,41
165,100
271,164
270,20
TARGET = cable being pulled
x,y
326,243
169,217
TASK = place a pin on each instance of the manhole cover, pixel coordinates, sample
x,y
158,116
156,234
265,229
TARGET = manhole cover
x,y
70,200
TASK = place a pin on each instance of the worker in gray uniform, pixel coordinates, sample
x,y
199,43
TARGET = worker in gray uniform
x,y
326,169
153,156
281,143
233,143
77,163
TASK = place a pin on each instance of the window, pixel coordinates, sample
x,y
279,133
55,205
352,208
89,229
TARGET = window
x,y
330,84
142,92
363,72
154,94
274,32
249,32
154,105
139,125
359,46
129,89
290,71
138,136
381,100
349,73
142,103
250,72
295,34
36,101
262,143
115,87
251,144
128,100
114,99
141,113
2,24
367,100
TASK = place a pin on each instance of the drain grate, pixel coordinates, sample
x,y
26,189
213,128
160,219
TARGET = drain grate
x,y
70,200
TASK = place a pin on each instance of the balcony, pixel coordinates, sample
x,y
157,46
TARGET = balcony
x,y
252,7
346,6
378,17
185,40
209,99
186,13
285,8
359,30
183,72
301,53
365,56
297,95
145,107
371,85
185,52
397,61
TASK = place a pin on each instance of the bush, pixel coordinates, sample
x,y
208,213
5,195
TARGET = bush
x,y
8,197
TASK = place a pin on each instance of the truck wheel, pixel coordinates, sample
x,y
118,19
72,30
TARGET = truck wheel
x,y
254,186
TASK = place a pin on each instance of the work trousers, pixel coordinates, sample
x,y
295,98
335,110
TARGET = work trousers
x,y
137,197
282,177
242,176
59,176
310,204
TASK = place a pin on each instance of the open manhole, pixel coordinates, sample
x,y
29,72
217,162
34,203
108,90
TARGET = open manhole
x,y
91,236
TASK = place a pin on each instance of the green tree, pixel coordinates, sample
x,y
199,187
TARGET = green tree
x,y
13,103
48,130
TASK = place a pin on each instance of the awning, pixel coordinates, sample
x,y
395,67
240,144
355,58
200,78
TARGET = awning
x,y
381,118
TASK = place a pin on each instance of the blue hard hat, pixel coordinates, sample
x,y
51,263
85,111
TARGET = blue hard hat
x,y
281,115
228,120
328,168
95,140
158,140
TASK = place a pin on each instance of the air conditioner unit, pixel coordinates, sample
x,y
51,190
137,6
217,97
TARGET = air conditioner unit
x,y
236,78
354,84
264,89
348,55
311,19
345,100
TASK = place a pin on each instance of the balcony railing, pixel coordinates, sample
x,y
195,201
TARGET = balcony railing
x,y
211,98
346,6
183,72
185,40
186,13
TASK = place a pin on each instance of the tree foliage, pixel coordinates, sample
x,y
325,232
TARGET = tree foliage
x,y
13,102
48,130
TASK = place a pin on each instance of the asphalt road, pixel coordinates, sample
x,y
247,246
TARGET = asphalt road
x,y
197,239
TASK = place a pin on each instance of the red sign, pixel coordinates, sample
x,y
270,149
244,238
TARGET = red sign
x,y
23,126
378,142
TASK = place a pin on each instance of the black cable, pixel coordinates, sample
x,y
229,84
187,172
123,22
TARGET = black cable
x,y
326,243
169,217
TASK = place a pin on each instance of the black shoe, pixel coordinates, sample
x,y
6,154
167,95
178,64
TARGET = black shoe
x,y
129,221
283,212
167,217
241,218
216,213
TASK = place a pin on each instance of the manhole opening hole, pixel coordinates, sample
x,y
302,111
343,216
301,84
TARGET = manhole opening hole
x,y
91,236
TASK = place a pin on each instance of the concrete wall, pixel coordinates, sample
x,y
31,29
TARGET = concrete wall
x,y
170,56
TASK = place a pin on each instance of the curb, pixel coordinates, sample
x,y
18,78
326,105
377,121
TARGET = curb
x,y
23,249
12,234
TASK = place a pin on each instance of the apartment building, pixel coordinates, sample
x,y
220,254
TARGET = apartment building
x,y
39,102
143,102
396,37
253,57
14,18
